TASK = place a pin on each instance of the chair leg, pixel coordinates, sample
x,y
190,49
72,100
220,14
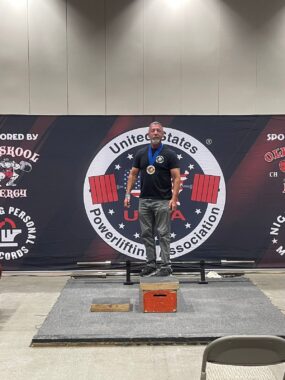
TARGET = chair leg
x,y
203,376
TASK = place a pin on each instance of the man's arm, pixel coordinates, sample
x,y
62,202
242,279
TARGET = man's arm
x,y
175,175
131,181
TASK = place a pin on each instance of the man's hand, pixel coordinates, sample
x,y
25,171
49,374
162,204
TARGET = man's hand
x,y
175,175
131,181
127,200
172,204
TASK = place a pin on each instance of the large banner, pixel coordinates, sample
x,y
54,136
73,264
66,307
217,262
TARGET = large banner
x,y
63,181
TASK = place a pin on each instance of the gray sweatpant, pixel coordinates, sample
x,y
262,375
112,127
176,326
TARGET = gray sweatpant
x,y
154,215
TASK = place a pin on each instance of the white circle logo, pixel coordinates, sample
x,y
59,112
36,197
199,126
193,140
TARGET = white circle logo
x,y
202,194
159,159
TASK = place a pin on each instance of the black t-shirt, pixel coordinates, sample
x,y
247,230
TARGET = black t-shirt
x,y
157,185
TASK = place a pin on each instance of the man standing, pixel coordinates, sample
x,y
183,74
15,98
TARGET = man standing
x,y
158,166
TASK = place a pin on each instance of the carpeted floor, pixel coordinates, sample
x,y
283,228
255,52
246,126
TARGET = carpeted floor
x,y
227,306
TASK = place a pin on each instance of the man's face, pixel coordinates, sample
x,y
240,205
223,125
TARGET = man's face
x,y
155,133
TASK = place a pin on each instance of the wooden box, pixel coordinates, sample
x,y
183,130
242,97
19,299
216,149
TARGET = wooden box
x,y
111,305
158,295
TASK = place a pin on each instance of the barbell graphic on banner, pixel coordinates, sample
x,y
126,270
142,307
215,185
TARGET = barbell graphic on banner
x,y
104,188
205,188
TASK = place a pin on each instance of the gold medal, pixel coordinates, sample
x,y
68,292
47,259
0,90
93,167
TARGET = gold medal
x,y
150,169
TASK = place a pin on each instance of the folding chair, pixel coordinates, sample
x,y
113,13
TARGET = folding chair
x,y
244,350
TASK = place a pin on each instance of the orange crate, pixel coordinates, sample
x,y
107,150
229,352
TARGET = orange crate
x,y
160,301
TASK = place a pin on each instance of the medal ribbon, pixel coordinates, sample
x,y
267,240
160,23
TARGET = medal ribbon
x,y
152,157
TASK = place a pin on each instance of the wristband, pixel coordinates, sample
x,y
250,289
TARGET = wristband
x,y
128,195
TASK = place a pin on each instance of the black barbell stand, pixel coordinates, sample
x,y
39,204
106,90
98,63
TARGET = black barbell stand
x,y
202,273
128,273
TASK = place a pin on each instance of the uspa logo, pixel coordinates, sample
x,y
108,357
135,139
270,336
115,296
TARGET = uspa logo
x,y
17,233
202,194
